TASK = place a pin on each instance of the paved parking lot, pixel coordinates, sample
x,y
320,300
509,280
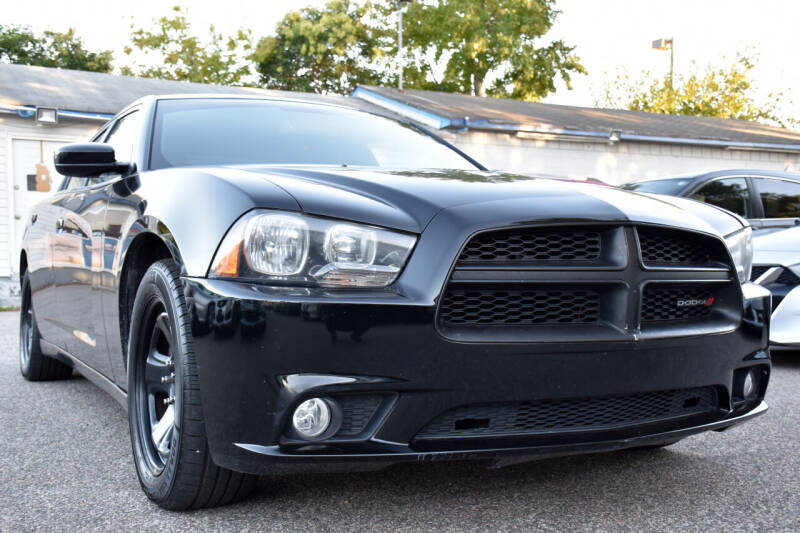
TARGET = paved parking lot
x,y
65,465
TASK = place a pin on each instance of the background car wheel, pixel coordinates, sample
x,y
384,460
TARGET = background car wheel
x,y
34,365
168,435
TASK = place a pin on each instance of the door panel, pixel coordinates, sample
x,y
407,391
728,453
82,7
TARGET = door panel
x,y
77,257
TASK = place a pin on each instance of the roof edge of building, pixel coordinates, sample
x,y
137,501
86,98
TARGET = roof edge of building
x,y
428,118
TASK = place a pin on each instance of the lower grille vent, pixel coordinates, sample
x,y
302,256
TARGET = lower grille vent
x,y
357,412
546,416
512,307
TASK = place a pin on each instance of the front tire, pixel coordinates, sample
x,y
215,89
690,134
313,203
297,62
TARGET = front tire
x,y
33,364
168,435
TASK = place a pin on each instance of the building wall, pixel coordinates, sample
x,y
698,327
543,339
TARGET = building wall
x,y
614,164
14,129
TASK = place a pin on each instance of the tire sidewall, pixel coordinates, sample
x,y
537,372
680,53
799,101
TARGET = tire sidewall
x,y
33,349
156,285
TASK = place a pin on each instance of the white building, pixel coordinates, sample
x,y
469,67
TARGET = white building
x,y
614,146
42,108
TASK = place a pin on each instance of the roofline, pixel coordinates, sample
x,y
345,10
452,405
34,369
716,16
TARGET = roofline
x,y
27,111
613,136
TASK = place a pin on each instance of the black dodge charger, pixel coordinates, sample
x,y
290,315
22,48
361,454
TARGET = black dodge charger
x,y
269,284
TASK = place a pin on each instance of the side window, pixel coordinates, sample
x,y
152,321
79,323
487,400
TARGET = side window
x,y
781,198
123,136
731,194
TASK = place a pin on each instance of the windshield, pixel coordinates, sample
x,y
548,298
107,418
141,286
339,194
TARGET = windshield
x,y
671,186
239,132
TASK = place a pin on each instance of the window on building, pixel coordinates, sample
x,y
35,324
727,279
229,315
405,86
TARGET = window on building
x,y
730,193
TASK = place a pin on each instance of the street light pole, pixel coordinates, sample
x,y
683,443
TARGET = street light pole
x,y
400,42
400,57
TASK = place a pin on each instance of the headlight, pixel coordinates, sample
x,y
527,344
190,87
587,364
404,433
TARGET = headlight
x,y
298,249
740,245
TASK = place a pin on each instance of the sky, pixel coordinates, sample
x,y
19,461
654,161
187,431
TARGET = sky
x,y
610,35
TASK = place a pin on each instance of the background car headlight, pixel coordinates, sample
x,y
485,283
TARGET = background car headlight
x,y
740,245
305,250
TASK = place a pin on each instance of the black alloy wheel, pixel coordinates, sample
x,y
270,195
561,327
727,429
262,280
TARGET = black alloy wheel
x,y
155,388
168,435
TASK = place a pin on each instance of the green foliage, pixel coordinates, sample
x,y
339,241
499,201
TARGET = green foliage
x,y
452,45
18,44
492,39
327,50
723,92
183,56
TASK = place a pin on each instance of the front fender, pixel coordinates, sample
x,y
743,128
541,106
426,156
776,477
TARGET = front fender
x,y
190,211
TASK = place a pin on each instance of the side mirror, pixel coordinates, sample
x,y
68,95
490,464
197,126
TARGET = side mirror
x,y
87,160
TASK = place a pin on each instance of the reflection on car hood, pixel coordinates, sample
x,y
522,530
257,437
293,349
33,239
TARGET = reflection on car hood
x,y
408,200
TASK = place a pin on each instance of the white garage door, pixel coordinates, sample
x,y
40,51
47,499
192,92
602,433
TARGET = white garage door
x,y
34,178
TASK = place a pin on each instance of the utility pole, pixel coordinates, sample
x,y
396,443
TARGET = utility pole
x,y
400,58
667,44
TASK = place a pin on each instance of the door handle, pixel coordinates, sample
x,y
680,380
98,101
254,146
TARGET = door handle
x,y
33,218
60,224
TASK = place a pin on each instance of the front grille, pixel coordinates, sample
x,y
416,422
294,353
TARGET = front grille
x,y
671,247
491,306
533,245
675,303
357,411
588,284
548,416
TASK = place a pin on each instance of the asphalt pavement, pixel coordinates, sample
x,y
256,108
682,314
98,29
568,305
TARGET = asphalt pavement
x,y
65,465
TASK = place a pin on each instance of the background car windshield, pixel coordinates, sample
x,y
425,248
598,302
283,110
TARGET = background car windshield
x,y
238,132
670,186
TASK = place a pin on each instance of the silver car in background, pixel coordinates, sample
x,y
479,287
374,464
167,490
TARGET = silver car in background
x,y
776,266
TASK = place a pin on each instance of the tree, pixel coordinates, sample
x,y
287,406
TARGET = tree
x,y
453,46
182,56
18,44
724,92
327,50
472,42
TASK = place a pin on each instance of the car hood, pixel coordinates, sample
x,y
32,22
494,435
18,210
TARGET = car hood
x,y
409,200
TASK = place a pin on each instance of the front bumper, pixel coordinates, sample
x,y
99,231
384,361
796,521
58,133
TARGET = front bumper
x,y
277,347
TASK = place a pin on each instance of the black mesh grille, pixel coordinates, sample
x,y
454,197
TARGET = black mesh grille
x,y
509,307
758,271
570,415
357,411
667,247
533,245
675,303
788,277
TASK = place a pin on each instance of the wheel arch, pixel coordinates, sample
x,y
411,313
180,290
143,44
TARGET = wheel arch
x,y
142,249
23,264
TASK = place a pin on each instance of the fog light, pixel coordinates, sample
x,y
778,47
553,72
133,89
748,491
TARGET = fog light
x,y
749,385
312,418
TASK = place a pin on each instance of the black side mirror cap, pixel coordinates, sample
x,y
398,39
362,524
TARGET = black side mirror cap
x,y
87,160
